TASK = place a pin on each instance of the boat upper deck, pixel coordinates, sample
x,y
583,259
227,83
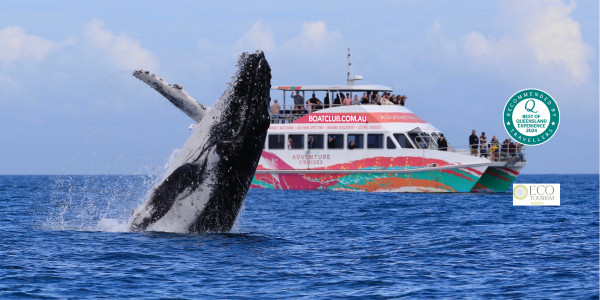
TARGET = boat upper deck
x,y
335,88
297,105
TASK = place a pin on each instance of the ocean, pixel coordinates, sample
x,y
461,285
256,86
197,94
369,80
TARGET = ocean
x,y
63,237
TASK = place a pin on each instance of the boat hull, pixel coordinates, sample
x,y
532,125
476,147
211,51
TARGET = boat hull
x,y
427,180
498,178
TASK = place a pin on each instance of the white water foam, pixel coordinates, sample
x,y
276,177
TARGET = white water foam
x,y
112,225
94,203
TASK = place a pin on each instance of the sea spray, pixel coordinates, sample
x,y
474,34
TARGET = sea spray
x,y
94,203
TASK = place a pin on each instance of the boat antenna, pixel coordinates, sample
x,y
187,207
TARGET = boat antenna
x,y
349,80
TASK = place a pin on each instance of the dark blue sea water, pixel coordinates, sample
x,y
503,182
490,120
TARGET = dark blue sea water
x,y
60,239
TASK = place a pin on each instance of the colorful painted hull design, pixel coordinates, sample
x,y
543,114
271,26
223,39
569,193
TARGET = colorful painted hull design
x,y
497,178
387,176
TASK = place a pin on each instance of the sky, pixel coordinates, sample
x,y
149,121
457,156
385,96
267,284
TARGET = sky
x,y
69,105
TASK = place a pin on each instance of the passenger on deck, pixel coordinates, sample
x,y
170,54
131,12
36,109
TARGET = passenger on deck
x,y
326,101
403,100
290,143
504,149
520,152
313,99
351,145
473,143
493,152
298,100
512,148
275,109
319,105
442,143
375,99
309,106
483,145
297,110
355,101
483,150
384,100
364,99
347,99
494,148
388,99
337,101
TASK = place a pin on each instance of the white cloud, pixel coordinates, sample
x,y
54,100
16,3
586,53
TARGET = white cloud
x,y
540,31
314,47
315,32
258,37
475,44
315,36
123,51
15,45
556,38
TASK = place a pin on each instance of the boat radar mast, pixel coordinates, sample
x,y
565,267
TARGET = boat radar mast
x,y
349,80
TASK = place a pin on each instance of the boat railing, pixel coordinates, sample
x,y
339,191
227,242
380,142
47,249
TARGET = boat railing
x,y
510,153
291,113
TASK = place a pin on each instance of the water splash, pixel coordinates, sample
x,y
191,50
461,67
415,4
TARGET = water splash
x,y
94,203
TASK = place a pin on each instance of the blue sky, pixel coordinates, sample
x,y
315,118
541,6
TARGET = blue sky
x,y
69,105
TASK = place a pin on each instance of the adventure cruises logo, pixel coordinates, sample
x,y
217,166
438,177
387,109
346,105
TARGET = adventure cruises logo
x,y
536,194
531,117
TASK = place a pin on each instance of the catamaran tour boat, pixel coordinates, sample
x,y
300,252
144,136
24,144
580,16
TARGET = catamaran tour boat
x,y
372,148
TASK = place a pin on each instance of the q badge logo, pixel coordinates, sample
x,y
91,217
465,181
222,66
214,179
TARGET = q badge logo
x,y
531,117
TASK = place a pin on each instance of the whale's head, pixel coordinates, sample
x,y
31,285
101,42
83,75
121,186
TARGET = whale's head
x,y
241,126
244,106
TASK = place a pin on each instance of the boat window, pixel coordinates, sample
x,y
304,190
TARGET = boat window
x,y
423,140
435,136
403,140
419,141
315,141
276,141
335,141
356,140
374,141
432,141
296,141
390,143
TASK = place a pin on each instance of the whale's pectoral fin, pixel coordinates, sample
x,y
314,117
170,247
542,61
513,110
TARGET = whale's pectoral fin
x,y
184,180
174,93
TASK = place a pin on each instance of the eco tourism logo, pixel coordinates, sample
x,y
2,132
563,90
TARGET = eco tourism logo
x,y
531,117
541,194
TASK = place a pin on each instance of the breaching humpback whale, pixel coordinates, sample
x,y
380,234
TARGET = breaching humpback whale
x,y
205,187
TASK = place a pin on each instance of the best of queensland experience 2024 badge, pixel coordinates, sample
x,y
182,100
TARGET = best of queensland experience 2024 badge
x,y
531,117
